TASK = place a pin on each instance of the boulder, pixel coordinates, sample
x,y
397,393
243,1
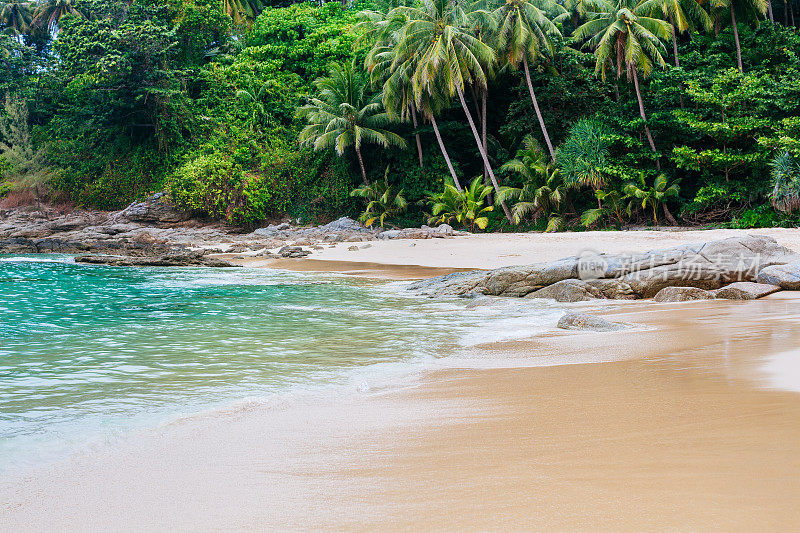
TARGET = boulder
x,y
786,276
344,224
745,290
156,209
293,252
587,322
682,294
706,266
568,290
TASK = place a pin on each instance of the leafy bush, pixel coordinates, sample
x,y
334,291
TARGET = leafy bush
x,y
464,208
215,186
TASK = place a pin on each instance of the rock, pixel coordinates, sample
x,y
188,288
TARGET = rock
x,y
156,209
745,290
444,229
344,224
705,266
568,290
352,248
389,234
682,294
786,276
176,259
586,322
293,252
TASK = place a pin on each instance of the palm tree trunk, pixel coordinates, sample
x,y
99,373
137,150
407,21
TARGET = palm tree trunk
x,y
536,108
416,134
361,164
481,150
674,41
641,110
736,40
769,10
444,152
668,214
675,53
483,130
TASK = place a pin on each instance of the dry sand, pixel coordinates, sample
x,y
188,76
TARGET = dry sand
x,y
677,425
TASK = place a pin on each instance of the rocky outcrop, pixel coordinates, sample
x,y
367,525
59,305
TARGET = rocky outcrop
x,y
157,209
167,260
586,322
706,266
682,294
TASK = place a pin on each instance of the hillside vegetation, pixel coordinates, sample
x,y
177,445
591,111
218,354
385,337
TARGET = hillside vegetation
x,y
492,115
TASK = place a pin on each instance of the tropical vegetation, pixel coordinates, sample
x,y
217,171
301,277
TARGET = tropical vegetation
x,y
489,115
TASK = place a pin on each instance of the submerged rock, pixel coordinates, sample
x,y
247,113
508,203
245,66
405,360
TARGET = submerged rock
x,y
682,294
587,322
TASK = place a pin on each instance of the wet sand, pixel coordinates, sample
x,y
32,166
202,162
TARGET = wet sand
x,y
668,426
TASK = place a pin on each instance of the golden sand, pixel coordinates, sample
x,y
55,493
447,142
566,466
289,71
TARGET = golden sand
x,y
677,430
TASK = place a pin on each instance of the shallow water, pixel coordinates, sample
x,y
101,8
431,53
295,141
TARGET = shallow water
x,y
89,352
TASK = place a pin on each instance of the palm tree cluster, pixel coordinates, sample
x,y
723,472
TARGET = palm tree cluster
x,y
426,54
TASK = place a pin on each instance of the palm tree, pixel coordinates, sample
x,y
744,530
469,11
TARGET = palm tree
x,y
256,97
49,13
525,34
443,55
624,34
683,15
383,201
655,196
344,115
746,10
242,10
16,17
542,188
785,195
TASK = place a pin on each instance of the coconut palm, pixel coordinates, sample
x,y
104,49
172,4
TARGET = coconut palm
x,y
16,17
242,10
683,15
624,33
444,56
525,34
255,98
739,10
343,114
542,189
49,13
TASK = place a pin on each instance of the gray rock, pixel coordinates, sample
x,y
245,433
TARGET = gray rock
x,y
293,252
587,322
568,290
704,266
156,209
344,224
745,290
168,260
786,276
682,294
389,234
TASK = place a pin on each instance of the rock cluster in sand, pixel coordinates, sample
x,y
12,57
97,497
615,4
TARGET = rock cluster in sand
x,y
693,271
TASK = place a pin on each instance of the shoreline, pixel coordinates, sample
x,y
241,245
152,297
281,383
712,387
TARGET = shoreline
x,y
658,427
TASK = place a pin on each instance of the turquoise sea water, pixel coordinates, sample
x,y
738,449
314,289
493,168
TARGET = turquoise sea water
x,y
87,351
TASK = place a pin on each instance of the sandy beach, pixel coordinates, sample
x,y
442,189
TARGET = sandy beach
x,y
689,421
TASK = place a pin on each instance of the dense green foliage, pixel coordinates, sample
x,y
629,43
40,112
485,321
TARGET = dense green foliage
x,y
252,110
